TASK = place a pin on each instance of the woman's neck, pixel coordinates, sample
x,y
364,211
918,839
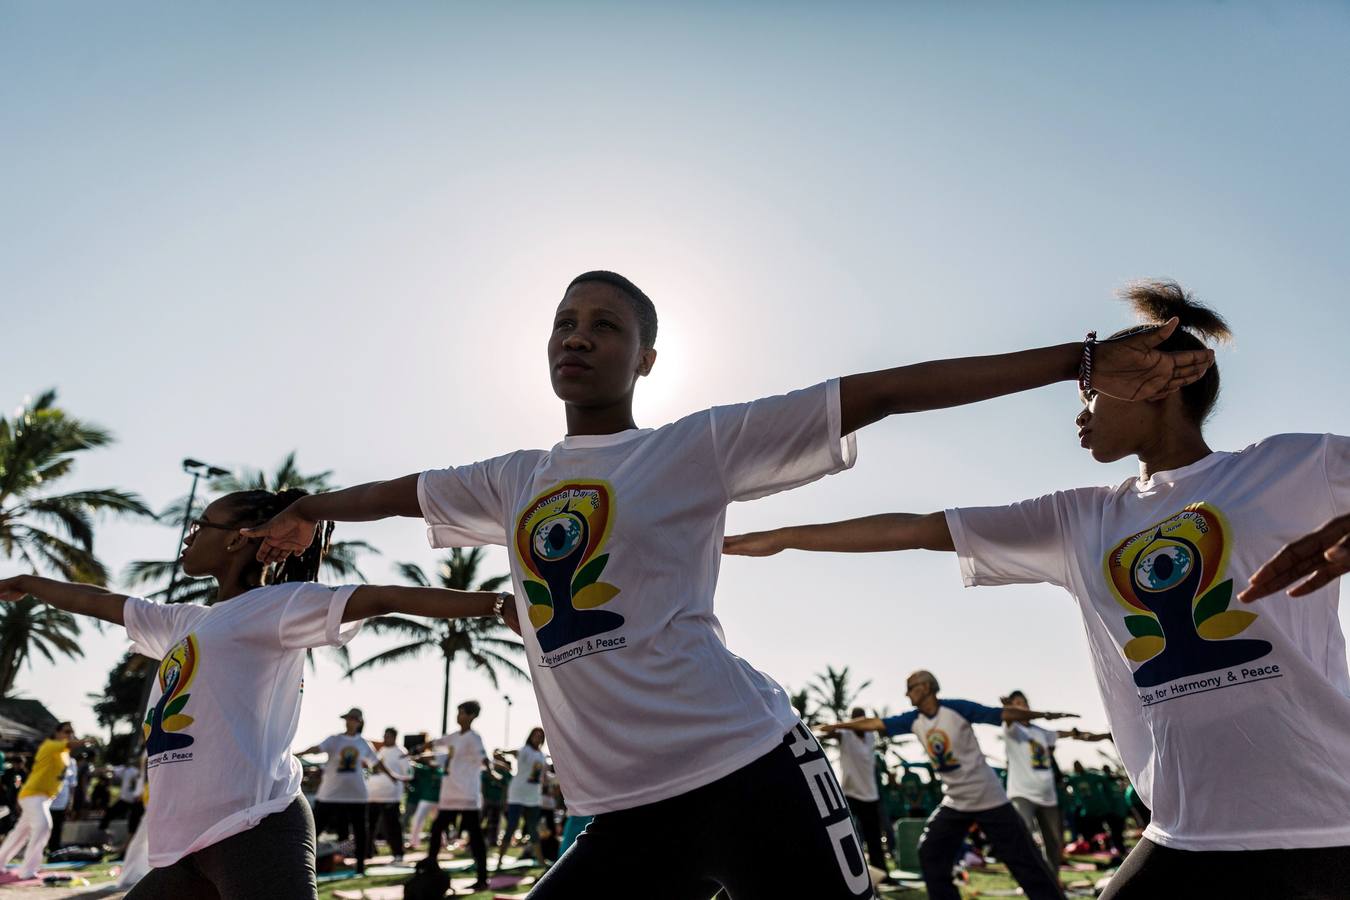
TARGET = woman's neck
x,y
233,584
601,419
1173,449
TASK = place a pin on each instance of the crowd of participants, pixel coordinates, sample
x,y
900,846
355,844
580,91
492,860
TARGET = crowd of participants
x,y
447,791
615,537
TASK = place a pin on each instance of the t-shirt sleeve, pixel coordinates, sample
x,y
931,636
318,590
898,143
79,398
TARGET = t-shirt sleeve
x,y
1025,543
1337,460
329,744
368,753
153,627
464,506
1014,731
902,723
312,617
779,443
975,713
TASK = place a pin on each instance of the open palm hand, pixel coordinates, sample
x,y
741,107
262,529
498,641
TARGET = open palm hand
x,y
1133,368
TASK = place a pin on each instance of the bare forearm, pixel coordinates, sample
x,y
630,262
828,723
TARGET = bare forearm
x,y
887,531
363,502
81,599
867,723
370,600
871,396
1018,714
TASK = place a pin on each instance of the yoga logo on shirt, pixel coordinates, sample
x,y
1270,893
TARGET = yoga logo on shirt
x,y
348,759
940,751
1167,578
165,722
559,538
1040,759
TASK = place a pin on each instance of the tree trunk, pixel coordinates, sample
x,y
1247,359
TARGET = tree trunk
x,y
445,698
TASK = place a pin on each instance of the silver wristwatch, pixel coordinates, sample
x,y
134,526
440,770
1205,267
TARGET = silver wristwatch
x,y
503,598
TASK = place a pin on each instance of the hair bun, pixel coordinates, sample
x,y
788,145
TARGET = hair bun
x,y
1156,301
290,495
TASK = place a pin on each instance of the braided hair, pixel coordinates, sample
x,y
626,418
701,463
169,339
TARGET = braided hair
x,y
250,508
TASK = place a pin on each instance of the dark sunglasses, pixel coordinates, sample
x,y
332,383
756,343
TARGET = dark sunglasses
x,y
197,525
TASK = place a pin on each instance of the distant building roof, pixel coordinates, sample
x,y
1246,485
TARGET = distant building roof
x,y
30,713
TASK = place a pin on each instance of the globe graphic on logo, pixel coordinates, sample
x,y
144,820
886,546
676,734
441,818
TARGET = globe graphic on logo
x,y
557,536
1163,568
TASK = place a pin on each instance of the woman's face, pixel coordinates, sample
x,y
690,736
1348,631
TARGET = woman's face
x,y
536,738
211,542
1113,429
595,352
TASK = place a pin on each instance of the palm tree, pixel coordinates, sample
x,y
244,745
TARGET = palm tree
x,y
50,531
479,640
340,563
37,448
831,691
30,628
801,702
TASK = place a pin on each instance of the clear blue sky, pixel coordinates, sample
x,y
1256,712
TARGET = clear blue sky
x,y
234,230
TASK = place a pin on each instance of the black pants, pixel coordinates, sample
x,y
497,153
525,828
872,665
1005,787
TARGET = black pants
x,y
806,845
867,813
1152,870
492,819
58,821
1012,843
274,860
383,820
468,820
528,819
338,818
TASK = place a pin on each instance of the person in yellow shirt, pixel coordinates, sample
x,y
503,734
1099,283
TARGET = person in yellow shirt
x,y
35,801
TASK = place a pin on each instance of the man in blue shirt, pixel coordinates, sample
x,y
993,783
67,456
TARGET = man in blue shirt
x,y
972,790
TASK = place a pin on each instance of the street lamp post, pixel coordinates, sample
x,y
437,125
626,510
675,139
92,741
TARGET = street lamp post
x,y
195,468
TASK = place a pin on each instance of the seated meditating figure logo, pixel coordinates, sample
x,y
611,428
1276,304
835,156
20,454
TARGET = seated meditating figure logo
x,y
1039,758
940,751
164,722
1167,578
347,759
558,541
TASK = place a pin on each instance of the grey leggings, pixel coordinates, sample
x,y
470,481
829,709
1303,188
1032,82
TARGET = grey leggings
x,y
274,860
1048,821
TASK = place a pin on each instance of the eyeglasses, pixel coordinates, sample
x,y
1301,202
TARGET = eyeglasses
x,y
197,525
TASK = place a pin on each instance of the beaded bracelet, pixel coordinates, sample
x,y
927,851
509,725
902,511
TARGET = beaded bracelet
x,y
1085,365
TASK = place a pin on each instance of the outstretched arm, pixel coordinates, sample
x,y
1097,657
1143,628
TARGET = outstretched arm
x,y
888,531
1077,735
370,600
1130,368
866,723
1018,714
84,599
292,529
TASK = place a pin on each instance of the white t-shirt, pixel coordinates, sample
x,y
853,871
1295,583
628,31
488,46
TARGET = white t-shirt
x,y
615,544
968,784
380,788
224,707
529,779
68,782
1233,721
344,773
127,776
547,798
1031,774
857,765
462,784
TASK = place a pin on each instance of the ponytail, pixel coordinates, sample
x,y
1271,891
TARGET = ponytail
x,y
1157,301
257,506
